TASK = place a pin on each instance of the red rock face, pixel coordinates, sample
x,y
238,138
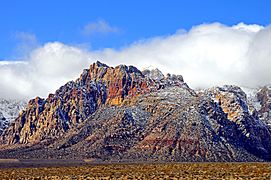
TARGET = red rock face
x,y
120,81
100,85
122,113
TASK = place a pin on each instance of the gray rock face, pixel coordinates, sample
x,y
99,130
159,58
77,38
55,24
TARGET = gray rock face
x,y
259,102
154,74
234,103
263,96
123,114
3,123
9,110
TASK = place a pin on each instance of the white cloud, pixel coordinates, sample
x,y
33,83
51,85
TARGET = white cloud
x,y
47,68
207,55
254,28
99,27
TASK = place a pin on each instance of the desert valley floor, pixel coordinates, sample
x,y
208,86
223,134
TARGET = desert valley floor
x,y
15,169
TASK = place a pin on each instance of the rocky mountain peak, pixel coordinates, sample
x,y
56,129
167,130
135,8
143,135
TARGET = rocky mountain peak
x,y
99,71
3,122
232,99
99,64
98,86
155,74
9,110
118,113
263,101
263,96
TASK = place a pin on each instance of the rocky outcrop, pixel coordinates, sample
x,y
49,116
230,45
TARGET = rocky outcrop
x,y
9,110
3,123
154,74
254,134
100,85
124,114
263,97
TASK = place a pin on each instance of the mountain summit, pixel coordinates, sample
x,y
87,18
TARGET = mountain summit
x,y
120,113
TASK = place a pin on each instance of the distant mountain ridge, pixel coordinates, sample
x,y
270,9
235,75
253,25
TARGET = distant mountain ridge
x,y
9,111
120,113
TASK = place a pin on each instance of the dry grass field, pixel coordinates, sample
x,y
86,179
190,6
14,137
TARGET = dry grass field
x,y
144,171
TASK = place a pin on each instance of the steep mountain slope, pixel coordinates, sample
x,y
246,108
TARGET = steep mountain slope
x,y
75,101
124,114
9,110
260,100
3,122
255,134
263,97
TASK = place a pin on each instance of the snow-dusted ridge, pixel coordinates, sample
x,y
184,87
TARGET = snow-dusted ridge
x,y
9,110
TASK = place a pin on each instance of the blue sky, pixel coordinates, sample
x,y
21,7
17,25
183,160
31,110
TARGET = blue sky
x,y
64,21
45,43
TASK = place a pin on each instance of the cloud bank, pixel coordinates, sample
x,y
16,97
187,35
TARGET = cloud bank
x,y
207,55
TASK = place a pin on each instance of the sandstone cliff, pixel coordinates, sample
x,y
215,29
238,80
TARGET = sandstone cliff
x,y
124,114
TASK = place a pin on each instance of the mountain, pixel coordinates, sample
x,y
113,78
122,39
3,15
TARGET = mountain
x,y
3,122
263,98
9,110
122,114
260,99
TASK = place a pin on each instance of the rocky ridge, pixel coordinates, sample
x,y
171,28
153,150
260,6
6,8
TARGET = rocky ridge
x,y
124,114
3,122
9,111
263,98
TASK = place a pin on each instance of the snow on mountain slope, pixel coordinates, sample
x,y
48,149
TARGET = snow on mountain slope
x,y
122,114
3,122
9,110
